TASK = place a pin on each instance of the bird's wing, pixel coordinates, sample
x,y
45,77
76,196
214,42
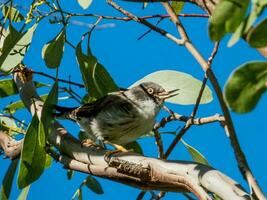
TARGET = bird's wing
x,y
113,99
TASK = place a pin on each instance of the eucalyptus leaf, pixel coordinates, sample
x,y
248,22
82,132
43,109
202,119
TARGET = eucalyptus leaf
x,y
52,52
134,146
226,17
12,13
8,180
13,107
93,185
177,6
8,124
188,86
70,174
15,47
195,154
24,193
85,3
257,37
245,86
33,155
47,115
96,79
8,87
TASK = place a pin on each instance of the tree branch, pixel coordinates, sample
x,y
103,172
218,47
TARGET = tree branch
x,y
129,168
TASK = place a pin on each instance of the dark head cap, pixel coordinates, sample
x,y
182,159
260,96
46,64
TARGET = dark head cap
x,y
156,91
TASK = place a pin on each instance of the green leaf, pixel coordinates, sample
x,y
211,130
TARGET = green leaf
x,y
257,37
93,185
78,194
134,146
236,35
226,17
245,86
195,154
188,86
52,52
47,116
33,155
96,79
85,3
177,6
145,4
12,13
8,87
15,48
8,124
24,193
13,107
70,174
48,161
8,180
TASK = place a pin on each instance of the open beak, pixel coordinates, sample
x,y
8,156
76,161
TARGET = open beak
x,y
166,95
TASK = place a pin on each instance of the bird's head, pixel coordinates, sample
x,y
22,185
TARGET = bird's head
x,y
153,91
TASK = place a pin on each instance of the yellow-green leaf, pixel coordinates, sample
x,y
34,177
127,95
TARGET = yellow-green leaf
x,y
15,47
195,154
188,86
12,13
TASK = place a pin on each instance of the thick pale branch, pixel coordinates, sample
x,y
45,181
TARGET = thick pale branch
x,y
10,146
133,169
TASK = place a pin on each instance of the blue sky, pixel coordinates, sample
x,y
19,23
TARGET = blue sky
x,y
128,60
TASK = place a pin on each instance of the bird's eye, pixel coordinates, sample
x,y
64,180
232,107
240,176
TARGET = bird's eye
x,y
150,90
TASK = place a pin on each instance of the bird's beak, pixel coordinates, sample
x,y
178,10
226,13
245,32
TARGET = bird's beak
x,y
168,94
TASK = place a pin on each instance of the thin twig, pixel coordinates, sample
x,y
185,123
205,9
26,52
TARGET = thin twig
x,y
54,78
159,143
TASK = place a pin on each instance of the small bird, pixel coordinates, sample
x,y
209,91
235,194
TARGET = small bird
x,y
120,117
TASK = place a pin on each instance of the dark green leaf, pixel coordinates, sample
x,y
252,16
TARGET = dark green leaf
x,y
24,193
134,146
188,86
8,87
8,180
245,86
33,156
52,52
48,109
12,13
177,6
85,3
93,185
257,37
13,107
195,154
15,47
226,17
96,79
70,174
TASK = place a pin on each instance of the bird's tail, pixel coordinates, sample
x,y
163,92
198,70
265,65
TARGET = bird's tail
x,y
65,112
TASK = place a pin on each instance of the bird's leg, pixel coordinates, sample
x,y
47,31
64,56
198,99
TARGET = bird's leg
x,y
90,143
118,149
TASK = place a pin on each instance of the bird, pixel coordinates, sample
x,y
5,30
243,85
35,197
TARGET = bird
x,y
119,117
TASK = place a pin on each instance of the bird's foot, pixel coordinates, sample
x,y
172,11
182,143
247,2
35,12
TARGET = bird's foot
x,y
118,149
90,143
